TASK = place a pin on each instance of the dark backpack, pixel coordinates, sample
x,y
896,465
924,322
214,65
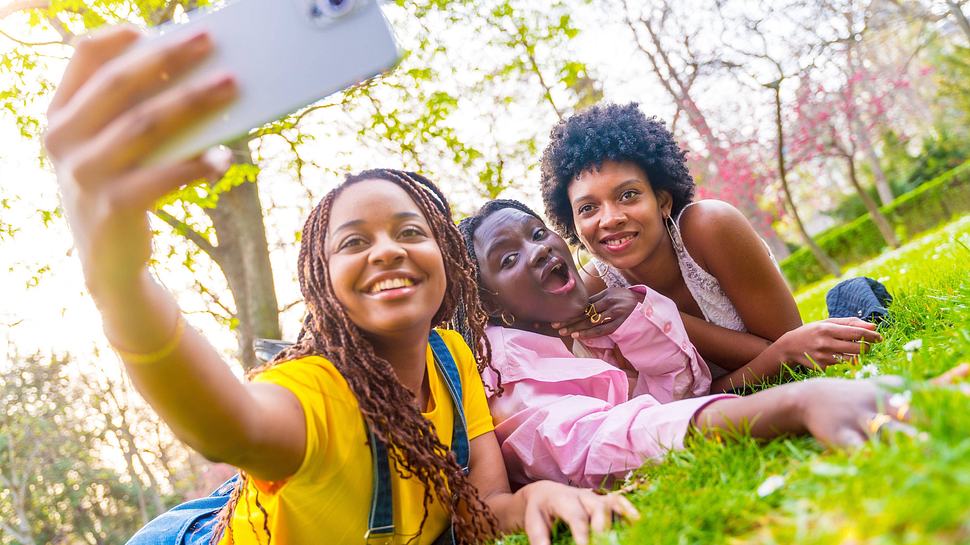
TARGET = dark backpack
x,y
193,522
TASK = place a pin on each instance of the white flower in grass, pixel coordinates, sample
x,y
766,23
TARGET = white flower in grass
x,y
913,345
770,485
867,370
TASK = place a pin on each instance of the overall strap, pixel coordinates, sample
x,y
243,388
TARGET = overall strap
x,y
380,522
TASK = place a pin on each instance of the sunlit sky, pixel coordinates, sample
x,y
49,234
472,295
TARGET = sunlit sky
x,y
44,305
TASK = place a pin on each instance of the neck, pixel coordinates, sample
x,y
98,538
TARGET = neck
x,y
407,354
660,270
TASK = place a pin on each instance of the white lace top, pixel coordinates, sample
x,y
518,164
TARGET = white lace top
x,y
705,289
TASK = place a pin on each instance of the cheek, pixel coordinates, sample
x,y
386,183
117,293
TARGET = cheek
x,y
342,279
585,229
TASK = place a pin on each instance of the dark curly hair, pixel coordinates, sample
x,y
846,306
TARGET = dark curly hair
x,y
610,132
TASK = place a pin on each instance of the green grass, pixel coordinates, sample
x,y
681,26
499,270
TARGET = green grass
x,y
906,490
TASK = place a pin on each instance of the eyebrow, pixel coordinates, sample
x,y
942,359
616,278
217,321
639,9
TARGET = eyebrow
x,y
355,223
622,185
495,245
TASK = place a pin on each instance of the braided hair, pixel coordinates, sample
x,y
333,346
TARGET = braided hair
x,y
386,405
467,227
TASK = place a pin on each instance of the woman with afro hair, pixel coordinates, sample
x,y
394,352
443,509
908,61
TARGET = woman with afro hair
x,y
616,183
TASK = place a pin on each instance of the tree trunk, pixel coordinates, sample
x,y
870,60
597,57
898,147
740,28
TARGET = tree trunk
x,y
244,259
883,188
823,258
885,229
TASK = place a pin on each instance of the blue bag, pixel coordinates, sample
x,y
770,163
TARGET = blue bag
x,y
193,522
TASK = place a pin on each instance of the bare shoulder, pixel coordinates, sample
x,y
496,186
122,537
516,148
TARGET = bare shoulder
x,y
712,229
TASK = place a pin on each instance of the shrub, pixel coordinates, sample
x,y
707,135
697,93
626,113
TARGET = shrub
x,y
932,203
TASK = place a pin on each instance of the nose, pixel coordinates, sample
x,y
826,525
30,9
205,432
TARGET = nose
x,y
540,254
612,217
386,251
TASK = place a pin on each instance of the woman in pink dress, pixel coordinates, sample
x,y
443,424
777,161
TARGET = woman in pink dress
x,y
625,385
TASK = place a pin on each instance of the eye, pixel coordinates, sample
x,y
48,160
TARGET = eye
x,y
508,260
351,242
539,233
412,231
628,194
584,209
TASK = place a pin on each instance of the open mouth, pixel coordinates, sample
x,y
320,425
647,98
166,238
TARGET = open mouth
x,y
619,241
557,279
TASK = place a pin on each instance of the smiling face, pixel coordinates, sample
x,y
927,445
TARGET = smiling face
x,y
528,267
618,216
384,264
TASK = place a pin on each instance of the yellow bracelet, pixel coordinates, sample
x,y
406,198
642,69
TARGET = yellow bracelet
x,y
160,354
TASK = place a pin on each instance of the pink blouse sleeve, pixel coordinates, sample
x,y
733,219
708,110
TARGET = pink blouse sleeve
x,y
653,339
587,441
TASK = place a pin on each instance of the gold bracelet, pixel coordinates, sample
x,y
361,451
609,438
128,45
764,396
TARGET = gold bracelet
x,y
160,354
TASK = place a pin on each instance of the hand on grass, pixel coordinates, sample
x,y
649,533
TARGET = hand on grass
x,y
109,112
613,305
826,342
580,508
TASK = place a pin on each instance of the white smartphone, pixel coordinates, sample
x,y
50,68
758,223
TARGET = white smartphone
x,y
284,54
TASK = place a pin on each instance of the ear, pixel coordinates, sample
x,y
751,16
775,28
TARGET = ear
x,y
665,201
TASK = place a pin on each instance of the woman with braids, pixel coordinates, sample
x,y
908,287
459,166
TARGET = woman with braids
x,y
380,265
625,386
616,183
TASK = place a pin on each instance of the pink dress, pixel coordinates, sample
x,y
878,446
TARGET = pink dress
x,y
576,420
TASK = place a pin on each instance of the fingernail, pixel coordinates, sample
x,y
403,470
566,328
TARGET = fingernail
x,y
562,331
200,43
222,87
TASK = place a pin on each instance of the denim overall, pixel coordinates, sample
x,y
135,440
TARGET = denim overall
x,y
193,522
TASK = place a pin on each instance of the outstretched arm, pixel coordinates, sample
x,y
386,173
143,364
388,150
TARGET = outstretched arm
x,y
108,113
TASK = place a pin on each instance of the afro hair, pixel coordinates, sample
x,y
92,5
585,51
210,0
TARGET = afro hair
x,y
610,132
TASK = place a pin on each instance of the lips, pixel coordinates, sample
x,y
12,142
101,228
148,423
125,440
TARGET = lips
x,y
555,277
391,285
618,242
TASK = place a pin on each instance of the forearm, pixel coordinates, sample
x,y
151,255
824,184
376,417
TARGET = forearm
x,y
767,414
765,365
725,347
192,388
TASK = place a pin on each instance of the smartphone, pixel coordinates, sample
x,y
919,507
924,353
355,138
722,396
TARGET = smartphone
x,y
284,54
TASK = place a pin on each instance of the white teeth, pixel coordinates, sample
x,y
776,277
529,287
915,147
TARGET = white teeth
x,y
618,241
391,284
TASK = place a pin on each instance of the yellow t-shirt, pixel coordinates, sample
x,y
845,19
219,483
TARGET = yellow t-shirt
x,y
328,500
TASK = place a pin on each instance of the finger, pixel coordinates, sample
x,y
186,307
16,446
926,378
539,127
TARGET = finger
x,y
950,376
895,426
852,321
143,188
537,526
576,517
571,322
624,507
856,334
599,510
90,54
126,81
133,136
848,437
602,329
845,347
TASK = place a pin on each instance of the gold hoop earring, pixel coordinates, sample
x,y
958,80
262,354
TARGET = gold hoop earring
x,y
506,320
667,223
579,263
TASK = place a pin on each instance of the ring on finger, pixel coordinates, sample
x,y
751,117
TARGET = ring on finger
x,y
877,422
594,317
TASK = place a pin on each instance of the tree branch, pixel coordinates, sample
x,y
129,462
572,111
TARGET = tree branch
x,y
191,234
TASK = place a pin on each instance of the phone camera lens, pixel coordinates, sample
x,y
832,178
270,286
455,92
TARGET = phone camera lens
x,y
331,8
